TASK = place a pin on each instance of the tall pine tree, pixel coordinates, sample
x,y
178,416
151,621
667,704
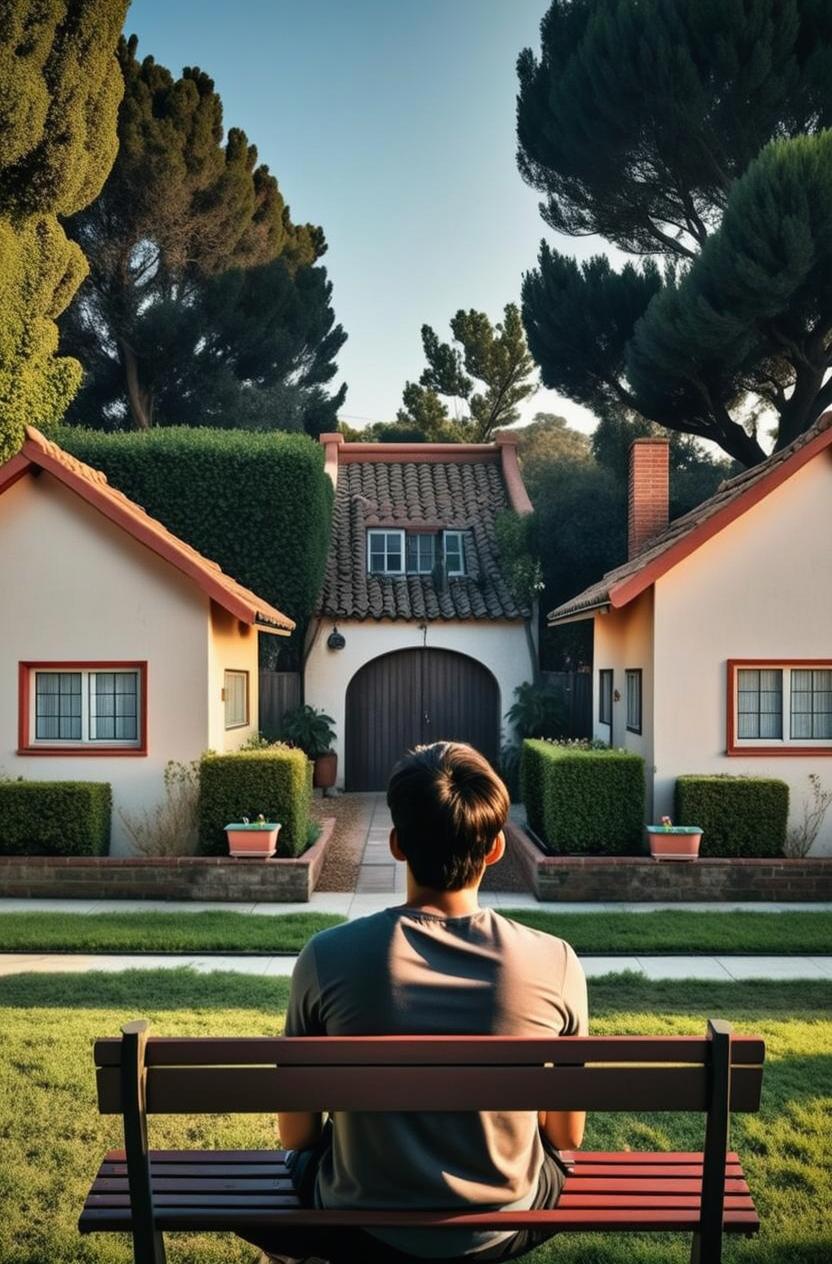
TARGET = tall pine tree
x,y
691,133
203,305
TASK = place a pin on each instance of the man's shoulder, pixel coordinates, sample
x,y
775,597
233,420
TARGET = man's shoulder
x,y
350,935
530,938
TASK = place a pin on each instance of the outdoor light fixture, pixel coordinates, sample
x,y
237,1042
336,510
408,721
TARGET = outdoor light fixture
x,y
335,640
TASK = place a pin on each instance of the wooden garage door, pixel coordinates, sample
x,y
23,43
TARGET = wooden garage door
x,y
413,696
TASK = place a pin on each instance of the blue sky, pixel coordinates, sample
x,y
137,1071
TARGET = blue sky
x,y
391,124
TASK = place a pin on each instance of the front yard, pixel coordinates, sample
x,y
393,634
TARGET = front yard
x,y
218,931
53,1137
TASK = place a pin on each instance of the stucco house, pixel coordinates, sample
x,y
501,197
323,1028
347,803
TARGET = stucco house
x,y
417,635
713,642
121,647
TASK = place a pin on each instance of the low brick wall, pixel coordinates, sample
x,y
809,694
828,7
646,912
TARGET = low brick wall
x,y
640,879
166,878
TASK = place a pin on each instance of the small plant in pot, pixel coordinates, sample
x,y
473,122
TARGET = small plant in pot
x,y
312,731
252,839
674,842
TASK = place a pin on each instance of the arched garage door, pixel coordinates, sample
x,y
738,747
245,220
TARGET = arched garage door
x,y
413,696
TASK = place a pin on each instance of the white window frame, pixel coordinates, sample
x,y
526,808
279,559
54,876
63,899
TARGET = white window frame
x,y
384,532
460,538
88,716
236,724
418,536
637,675
786,742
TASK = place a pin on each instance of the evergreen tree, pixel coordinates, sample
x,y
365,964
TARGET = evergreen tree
x,y
202,305
59,93
693,132
494,356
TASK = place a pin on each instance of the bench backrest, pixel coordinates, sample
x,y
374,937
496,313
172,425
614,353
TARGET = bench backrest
x,y
377,1073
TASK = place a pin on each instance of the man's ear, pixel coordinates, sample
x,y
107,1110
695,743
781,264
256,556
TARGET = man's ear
x,y
498,850
395,850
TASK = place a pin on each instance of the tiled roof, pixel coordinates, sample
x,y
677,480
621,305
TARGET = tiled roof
x,y
92,486
687,533
465,494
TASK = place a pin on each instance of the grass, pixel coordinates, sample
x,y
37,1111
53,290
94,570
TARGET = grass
x,y
155,932
660,932
52,1137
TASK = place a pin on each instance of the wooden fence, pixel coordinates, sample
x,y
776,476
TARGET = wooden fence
x,y
279,692
576,688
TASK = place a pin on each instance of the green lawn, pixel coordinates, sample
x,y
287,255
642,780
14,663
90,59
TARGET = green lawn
x,y
768,933
53,1138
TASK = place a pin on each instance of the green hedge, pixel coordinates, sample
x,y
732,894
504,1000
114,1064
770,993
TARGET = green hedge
x,y
55,818
257,503
276,781
740,816
587,802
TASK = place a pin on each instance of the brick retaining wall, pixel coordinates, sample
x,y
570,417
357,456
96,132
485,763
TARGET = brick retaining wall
x,y
640,879
166,878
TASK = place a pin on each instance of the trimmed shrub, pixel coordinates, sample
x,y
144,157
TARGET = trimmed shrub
x,y
276,781
588,802
55,818
740,816
257,503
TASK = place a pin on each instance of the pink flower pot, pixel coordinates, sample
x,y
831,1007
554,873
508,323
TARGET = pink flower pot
x,y
252,842
676,842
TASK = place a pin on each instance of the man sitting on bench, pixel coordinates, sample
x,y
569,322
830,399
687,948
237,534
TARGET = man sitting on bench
x,y
438,964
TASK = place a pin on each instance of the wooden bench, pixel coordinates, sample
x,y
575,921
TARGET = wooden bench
x,y
149,1192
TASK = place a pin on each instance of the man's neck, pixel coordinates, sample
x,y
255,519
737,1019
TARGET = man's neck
x,y
442,903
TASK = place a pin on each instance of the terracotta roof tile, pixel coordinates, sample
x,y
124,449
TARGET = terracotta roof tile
x,y
685,533
442,494
92,485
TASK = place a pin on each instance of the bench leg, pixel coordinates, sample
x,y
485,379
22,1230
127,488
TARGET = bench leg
x,y
706,1248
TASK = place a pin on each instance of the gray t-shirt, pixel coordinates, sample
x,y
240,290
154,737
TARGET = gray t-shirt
x,y
406,972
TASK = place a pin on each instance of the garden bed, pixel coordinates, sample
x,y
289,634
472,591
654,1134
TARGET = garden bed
x,y
281,879
640,879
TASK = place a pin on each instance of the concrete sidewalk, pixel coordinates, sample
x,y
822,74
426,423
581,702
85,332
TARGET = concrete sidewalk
x,y
718,969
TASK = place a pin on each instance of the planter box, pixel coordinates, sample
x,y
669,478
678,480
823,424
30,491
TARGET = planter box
x,y
215,878
638,879
674,842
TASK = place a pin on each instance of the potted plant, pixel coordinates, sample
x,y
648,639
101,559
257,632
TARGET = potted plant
x,y
674,842
252,839
312,731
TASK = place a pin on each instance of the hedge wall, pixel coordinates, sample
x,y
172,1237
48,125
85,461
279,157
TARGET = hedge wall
x,y
257,503
740,816
55,818
588,802
276,781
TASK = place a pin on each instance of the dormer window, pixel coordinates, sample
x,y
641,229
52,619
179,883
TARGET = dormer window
x,y
396,552
385,552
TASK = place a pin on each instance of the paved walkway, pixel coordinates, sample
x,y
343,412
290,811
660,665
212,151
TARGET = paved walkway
x,y
719,969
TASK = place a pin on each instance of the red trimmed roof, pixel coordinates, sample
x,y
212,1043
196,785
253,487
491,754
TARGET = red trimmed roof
x,y
92,486
688,533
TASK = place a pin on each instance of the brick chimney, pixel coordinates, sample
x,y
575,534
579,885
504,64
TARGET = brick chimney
x,y
649,493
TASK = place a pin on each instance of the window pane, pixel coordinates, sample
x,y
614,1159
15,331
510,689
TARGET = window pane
x,y
412,549
454,553
811,703
236,699
426,553
113,706
760,703
58,706
633,700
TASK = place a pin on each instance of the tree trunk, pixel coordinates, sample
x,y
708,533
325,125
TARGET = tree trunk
x,y
141,401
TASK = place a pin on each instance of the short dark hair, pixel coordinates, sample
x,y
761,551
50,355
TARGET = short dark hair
x,y
448,806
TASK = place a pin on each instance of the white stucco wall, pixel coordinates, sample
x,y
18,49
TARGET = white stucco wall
x,y
76,587
623,639
232,647
760,589
500,646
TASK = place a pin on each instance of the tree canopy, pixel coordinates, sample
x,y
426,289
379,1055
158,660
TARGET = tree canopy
x,y
61,89
202,305
690,134
486,366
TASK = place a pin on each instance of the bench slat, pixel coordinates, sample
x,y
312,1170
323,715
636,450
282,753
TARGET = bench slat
x,y
441,1050
244,1172
558,1220
625,1157
734,1202
577,1185
261,1090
